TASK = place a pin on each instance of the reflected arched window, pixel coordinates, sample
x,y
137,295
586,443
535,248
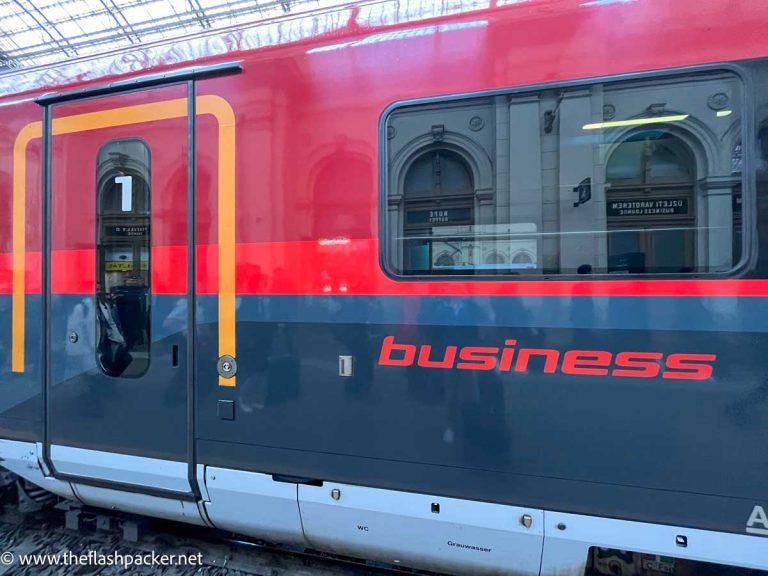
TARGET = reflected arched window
x,y
522,258
445,261
650,179
495,258
438,173
650,157
337,199
438,191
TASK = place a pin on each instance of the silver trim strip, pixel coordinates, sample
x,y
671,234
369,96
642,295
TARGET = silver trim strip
x,y
122,468
144,504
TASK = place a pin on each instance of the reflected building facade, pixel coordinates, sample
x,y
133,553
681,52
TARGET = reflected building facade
x,y
626,177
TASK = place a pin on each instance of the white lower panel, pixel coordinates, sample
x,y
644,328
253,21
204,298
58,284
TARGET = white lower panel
x,y
402,528
569,537
253,504
22,458
139,504
397,527
123,468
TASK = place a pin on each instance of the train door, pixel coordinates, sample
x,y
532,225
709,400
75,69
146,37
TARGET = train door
x,y
119,383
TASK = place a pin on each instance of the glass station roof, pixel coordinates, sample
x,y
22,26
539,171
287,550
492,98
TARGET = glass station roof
x,y
36,32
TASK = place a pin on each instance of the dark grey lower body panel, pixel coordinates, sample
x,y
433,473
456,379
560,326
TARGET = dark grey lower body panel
x,y
674,451
21,429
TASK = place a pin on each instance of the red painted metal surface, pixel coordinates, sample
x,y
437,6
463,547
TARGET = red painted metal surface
x,y
308,105
12,120
73,232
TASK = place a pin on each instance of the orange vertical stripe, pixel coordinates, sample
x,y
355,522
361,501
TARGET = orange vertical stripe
x,y
19,218
225,117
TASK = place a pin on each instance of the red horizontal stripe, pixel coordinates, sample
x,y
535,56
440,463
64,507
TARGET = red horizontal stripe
x,y
169,269
348,267
32,279
74,271
352,267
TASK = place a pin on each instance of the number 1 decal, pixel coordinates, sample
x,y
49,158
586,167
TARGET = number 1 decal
x,y
126,183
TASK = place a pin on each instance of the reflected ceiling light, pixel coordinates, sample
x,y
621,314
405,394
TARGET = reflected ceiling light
x,y
401,35
635,122
333,241
721,113
605,2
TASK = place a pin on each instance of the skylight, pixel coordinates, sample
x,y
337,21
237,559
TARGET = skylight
x,y
46,31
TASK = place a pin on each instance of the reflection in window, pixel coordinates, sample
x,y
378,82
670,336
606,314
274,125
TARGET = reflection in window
x,y
651,214
438,173
123,257
737,163
631,177
439,210
520,258
496,258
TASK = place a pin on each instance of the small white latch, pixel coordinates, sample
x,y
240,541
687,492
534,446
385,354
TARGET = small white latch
x,y
345,365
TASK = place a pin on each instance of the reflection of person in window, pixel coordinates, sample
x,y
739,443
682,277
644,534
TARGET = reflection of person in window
x,y
132,312
113,351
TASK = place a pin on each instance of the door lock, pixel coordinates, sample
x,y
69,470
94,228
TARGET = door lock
x,y
227,366
73,337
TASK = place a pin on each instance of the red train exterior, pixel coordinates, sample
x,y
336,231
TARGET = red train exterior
x,y
273,137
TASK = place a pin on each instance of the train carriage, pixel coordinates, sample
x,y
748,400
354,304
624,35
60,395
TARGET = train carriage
x,y
475,287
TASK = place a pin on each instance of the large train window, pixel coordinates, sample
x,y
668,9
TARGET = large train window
x,y
632,177
123,249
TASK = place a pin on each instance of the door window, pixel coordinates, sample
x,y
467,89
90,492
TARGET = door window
x,y
123,258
